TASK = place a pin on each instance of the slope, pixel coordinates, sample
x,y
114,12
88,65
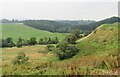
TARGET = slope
x,y
98,52
16,30
102,38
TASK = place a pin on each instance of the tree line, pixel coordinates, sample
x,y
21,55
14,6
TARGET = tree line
x,y
8,42
61,26
64,49
64,26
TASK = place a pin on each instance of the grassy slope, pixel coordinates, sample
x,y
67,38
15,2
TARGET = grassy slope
x,y
100,46
19,30
93,50
105,39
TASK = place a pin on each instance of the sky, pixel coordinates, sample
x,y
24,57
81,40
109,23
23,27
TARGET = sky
x,y
58,9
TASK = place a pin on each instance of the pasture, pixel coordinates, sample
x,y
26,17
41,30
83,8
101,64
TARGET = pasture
x,y
17,30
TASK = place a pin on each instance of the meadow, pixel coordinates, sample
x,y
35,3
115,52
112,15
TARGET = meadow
x,y
17,30
98,55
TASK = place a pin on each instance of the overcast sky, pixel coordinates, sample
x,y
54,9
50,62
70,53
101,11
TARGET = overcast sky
x,y
72,10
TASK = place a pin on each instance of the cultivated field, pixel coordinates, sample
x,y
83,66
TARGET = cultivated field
x,y
16,30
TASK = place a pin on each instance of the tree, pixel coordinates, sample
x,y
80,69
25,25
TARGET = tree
x,y
50,47
49,41
41,41
76,32
55,41
8,42
26,42
71,39
62,45
20,42
32,41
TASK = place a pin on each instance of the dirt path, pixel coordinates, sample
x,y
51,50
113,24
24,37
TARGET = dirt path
x,y
88,35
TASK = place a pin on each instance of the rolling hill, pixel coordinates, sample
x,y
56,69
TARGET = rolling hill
x,y
16,30
97,56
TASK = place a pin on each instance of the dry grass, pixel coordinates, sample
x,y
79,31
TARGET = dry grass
x,y
98,49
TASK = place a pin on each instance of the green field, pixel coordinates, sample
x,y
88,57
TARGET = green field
x,y
97,56
19,30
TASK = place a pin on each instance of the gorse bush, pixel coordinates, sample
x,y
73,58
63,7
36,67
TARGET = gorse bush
x,y
21,58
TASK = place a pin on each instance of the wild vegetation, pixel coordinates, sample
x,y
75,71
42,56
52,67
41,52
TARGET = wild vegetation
x,y
97,54
39,52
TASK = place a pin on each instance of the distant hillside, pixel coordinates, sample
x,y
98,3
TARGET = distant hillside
x,y
16,30
65,26
105,21
62,26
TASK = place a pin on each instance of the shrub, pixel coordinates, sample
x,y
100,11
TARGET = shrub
x,y
50,47
8,42
55,41
21,58
32,41
71,38
69,52
41,41
62,45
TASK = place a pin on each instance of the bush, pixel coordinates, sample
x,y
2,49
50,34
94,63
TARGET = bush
x,y
71,38
8,42
68,52
55,41
50,47
21,58
32,41
62,45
